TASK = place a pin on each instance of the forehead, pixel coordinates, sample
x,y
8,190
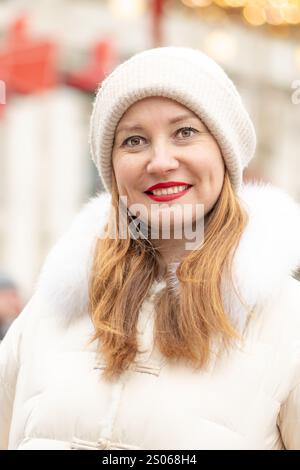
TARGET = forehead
x,y
153,103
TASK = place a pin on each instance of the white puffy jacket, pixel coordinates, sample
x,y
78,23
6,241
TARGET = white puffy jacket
x,y
52,395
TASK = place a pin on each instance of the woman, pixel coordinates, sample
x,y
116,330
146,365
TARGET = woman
x,y
138,341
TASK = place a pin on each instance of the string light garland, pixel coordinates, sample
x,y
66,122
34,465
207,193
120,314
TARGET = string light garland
x,y
256,12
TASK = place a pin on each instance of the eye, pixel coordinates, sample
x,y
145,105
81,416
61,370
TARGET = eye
x,y
132,138
187,129
136,138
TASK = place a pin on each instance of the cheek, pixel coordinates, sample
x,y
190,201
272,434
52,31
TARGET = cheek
x,y
126,175
217,170
209,165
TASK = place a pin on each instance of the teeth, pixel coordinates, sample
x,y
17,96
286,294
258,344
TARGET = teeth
x,y
165,191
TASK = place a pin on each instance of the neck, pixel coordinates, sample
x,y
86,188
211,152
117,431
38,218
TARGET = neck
x,y
177,245
174,250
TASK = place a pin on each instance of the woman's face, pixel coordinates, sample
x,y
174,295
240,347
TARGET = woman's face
x,y
151,148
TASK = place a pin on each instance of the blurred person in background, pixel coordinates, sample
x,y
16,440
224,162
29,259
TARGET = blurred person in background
x,y
137,341
10,303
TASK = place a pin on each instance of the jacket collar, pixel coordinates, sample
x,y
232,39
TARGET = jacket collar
x,y
269,252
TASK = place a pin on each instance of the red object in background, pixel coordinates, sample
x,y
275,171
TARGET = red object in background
x,y
27,64
157,14
3,97
103,59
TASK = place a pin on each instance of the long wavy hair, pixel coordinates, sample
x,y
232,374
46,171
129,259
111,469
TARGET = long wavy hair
x,y
189,317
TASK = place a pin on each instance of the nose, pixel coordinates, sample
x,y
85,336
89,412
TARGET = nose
x,y
163,159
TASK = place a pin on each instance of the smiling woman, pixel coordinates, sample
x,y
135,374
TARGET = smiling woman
x,y
133,340
190,155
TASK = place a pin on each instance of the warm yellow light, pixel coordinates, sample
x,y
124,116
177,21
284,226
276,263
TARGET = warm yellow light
x,y
197,3
221,3
278,3
273,15
188,3
254,15
257,3
258,12
127,9
220,45
236,3
291,12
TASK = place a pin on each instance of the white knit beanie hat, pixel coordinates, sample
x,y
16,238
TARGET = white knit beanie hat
x,y
187,76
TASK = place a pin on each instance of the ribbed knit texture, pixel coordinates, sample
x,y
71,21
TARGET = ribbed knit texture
x,y
191,78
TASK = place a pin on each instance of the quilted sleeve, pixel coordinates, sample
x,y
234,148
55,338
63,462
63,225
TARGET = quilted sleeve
x,y
9,366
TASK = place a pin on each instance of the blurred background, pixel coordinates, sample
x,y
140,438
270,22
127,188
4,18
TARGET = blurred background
x,y
54,54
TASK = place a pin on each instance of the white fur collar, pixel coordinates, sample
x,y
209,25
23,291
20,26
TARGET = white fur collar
x,y
269,251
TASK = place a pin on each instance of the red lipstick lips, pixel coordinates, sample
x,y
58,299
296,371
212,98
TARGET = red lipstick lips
x,y
167,184
167,197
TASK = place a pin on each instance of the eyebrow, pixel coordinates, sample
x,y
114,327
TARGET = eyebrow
x,y
136,127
